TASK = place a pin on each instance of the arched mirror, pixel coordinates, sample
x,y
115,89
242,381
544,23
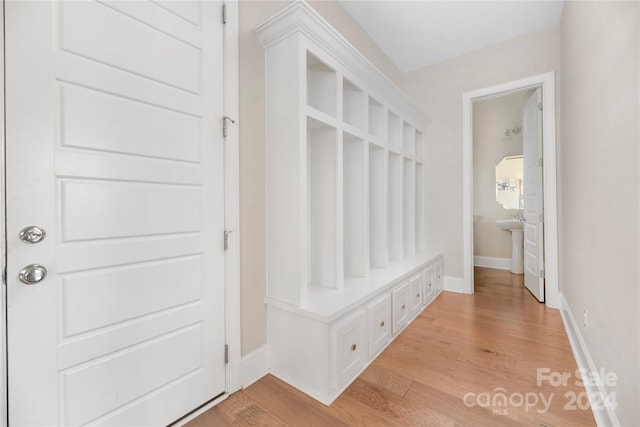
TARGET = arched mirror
x,y
509,176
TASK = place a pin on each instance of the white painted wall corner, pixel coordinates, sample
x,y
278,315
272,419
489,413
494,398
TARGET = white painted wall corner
x,y
254,366
595,389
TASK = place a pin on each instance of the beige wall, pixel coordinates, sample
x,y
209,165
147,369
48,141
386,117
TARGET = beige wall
x,y
490,119
252,149
599,207
437,90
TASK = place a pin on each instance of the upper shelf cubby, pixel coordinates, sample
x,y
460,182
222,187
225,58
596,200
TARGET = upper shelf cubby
x,y
419,145
409,139
352,104
321,85
395,130
376,119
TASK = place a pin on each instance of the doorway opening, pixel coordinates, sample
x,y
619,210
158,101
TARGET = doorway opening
x,y
544,84
507,173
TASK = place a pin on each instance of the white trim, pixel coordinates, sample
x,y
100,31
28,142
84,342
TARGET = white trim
x,y
595,389
547,82
492,262
255,365
454,284
232,200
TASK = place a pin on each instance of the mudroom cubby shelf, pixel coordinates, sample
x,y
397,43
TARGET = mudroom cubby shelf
x,y
347,262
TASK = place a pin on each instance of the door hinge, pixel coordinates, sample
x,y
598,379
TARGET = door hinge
x,y
4,275
540,162
226,239
542,274
224,13
540,106
226,354
541,217
225,125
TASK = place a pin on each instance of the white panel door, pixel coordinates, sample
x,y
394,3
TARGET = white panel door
x,y
532,192
114,147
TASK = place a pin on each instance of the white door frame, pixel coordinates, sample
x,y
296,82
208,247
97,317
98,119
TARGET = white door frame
x,y
232,222
232,198
4,415
547,82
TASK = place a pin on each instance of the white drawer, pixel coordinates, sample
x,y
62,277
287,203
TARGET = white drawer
x,y
350,347
379,323
415,297
429,286
400,312
439,280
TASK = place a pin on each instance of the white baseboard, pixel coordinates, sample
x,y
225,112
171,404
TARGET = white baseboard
x,y
454,284
492,262
254,366
595,389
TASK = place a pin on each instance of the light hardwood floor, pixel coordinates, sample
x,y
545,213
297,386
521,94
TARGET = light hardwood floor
x,y
461,345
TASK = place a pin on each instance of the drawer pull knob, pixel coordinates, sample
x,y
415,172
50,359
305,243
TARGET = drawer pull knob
x,y
402,306
353,347
382,324
417,295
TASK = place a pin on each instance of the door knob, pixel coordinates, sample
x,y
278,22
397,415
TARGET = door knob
x,y
32,234
32,274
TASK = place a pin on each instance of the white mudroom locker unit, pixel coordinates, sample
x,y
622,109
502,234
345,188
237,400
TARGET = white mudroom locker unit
x,y
347,262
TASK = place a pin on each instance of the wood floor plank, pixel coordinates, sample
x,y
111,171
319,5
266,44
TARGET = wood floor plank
x,y
387,379
240,410
396,409
460,350
296,409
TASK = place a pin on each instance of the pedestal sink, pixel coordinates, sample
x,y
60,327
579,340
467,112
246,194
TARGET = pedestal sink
x,y
516,227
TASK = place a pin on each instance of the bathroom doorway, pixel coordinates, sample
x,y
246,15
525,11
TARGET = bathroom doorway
x,y
507,173
539,92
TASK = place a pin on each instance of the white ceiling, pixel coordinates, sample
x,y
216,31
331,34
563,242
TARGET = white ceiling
x,y
415,34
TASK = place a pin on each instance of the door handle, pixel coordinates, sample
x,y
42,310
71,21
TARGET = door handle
x,y
32,274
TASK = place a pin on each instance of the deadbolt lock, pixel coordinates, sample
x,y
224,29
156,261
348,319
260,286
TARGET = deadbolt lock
x,y
32,234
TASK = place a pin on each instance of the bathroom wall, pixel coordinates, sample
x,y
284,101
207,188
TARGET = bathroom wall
x,y
490,119
600,202
251,122
437,90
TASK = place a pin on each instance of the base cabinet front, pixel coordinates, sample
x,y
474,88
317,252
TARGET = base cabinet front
x,y
321,355
400,297
429,287
415,295
350,347
379,324
439,280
